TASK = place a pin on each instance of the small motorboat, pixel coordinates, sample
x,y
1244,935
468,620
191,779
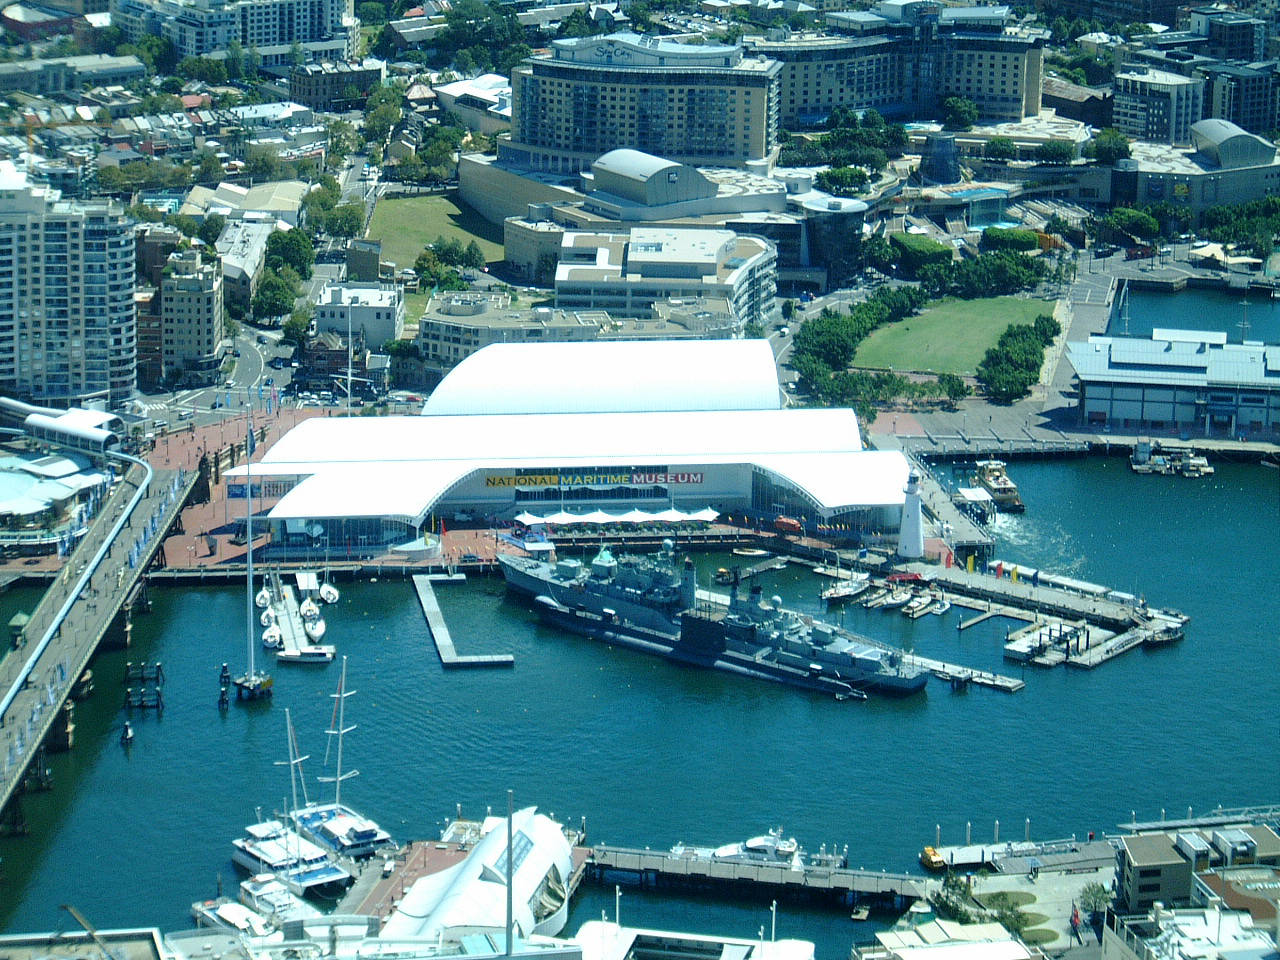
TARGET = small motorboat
x,y
749,552
268,617
328,593
273,637
723,575
314,627
308,609
263,597
126,735
941,606
917,606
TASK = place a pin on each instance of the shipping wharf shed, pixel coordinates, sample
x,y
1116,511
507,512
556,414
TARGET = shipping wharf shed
x,y
580,427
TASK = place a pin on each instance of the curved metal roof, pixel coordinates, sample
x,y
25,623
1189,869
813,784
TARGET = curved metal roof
x,y
633,163
1215,130
613,376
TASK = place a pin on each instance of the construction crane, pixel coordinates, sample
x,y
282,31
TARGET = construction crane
x,y
89,929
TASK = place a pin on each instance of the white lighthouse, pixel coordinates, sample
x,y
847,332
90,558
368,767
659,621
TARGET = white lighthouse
x,y
911,530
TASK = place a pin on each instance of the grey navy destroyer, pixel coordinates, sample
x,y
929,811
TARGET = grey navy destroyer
x,y
650,603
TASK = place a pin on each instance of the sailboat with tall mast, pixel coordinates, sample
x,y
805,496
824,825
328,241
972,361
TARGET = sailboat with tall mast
x,y
335,826
253,684
271,847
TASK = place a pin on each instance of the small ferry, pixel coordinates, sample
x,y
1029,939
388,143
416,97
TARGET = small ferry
x,y
993,478
930,859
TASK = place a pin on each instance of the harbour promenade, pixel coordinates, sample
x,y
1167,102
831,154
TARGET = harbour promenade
x,y
96,582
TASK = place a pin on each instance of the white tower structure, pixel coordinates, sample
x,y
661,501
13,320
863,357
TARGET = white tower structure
x,y
911,531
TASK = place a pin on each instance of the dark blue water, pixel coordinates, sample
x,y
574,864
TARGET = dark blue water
x,y
1218,310
652,753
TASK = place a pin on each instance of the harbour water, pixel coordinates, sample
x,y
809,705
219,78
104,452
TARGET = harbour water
x,y
1194,309
653,753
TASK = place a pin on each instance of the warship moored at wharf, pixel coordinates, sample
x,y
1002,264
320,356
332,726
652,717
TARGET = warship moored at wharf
x,y
648,604
648,591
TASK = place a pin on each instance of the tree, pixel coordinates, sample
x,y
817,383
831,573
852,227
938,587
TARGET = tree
x,y
294,330
578,24
211,228
788,309
346,220
275,295
372,13
1132,222
751,330
1109,146
210,169
842,181
1056,225
297,56
1055,152
290,248
235,60
473,257
1000,148
1095,897
262,163
877,253
959,113
953,388
204,69
188,225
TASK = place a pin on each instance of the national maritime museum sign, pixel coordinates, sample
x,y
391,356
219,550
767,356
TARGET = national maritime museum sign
x,y
590,479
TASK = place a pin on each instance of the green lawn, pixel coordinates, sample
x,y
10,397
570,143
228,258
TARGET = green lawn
x,y
1015,898
1037,936
949,337
407,224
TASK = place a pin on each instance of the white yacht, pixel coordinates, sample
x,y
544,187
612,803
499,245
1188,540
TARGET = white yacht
x,y
267,896
271,847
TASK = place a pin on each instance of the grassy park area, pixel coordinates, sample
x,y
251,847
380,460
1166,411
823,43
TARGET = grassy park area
x,y
950,337
407,224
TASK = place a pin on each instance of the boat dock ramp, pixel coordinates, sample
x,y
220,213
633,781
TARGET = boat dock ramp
x,y
693,867
296,646
449,656
1025,856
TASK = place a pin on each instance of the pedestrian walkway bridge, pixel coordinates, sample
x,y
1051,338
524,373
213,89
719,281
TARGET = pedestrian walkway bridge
x,y
73,616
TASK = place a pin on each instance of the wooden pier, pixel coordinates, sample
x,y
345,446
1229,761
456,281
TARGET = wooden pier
x,y
689,867
449,656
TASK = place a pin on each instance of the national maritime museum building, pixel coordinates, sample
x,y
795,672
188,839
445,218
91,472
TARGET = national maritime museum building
x,y
575,428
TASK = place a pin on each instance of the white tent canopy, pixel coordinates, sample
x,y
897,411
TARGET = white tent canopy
x,y
563,518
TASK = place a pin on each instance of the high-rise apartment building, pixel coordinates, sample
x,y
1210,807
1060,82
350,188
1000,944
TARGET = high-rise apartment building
x,y
1157,105
67,325
191,317
904,57
704,104
324,29
1232,35
1246,94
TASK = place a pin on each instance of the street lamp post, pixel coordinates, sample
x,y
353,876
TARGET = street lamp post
x,y
773,921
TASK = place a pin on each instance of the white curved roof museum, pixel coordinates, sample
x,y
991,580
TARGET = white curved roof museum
x,y
617,376
624,412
